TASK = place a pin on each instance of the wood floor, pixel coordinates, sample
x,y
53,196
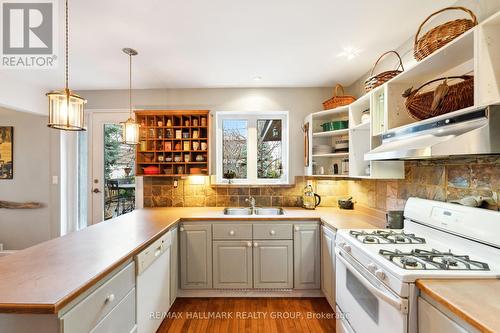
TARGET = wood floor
x,y
233,315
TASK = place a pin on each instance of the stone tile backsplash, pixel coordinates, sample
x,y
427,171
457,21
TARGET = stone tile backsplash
x,y
441,180
160,192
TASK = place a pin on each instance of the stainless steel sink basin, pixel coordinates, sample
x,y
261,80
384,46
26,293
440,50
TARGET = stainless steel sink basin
x,y
256,211
268,211
238,211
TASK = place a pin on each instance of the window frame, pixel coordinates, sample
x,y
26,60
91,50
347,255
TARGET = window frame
x,y
252,117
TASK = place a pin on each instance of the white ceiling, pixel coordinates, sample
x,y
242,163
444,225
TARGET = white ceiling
x,y
227,43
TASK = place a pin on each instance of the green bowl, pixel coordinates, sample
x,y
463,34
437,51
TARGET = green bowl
x,y
327,126
339,124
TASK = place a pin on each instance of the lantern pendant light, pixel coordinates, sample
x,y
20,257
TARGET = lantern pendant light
x,y
66,107
130,129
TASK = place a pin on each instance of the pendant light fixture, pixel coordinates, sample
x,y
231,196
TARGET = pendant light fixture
x,y
66,107
130,129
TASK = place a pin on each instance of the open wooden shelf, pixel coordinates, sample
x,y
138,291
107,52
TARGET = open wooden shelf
x,y
332,133
158,141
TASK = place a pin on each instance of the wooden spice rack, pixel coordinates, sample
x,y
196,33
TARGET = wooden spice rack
x,y
177,142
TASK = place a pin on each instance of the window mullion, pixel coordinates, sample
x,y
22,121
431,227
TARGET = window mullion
x,y
252,150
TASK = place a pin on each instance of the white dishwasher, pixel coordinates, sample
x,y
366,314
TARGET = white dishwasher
x,y
153,284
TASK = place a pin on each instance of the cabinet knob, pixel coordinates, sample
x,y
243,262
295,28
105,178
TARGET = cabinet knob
x,y
297,228
272,232
231,233
255,244
110,298
380,274
181,228
372,267
249,244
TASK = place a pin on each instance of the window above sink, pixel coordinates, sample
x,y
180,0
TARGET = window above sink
x,y
252,148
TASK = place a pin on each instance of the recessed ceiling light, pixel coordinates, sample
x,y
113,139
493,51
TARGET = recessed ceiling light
x,y
257,78
349,53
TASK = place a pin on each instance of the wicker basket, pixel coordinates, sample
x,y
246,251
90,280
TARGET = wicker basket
x,y
376,80
442,34
338,99
457,96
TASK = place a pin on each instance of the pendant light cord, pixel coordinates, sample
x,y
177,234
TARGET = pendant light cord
x,y
130,85
67,47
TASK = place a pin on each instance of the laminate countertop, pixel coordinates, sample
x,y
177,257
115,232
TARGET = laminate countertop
x,y
46,277
475,301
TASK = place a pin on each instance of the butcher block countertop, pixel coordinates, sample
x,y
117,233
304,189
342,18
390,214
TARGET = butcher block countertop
x,y
475,301
46,277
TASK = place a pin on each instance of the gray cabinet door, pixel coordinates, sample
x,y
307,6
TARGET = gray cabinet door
x,y
328,264
307,268
174,265
273,264
196,256
232,264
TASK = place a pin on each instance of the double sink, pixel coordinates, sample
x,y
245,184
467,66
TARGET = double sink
x,y
253,211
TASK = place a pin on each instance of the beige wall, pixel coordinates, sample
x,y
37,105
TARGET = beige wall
x,y
298,101
33,152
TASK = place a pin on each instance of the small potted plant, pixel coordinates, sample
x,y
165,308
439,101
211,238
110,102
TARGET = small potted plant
x,y
229,175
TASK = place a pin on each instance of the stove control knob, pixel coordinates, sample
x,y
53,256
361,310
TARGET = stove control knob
x,y
372,267
380,274
347,248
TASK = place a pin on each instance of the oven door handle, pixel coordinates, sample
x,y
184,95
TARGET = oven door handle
x,y
386,297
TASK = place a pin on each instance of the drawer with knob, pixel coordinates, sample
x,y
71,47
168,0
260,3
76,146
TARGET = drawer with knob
x,y
272,231
232,231
87,314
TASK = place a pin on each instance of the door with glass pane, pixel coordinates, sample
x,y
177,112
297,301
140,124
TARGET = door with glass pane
x,y
113,168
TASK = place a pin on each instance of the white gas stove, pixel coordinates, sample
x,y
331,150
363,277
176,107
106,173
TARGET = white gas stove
x,y
377,269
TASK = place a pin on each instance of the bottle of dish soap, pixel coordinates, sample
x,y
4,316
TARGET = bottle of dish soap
x,y
310,200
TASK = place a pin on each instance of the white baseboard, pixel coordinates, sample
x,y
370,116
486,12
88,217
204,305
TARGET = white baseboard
x,y
249,293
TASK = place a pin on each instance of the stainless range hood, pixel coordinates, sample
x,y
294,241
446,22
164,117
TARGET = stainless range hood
x,y
472,131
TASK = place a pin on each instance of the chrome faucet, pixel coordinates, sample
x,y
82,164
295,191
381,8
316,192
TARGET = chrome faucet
x,y
251,200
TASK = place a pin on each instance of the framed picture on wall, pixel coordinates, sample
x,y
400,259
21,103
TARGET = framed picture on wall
x,y
6,152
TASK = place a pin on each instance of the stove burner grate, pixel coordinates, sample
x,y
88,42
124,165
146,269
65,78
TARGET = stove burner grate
x,y
386,237
418,259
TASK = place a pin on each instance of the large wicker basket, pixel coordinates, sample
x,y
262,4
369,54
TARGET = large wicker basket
x,y
451,98
338,99
441,35
376,80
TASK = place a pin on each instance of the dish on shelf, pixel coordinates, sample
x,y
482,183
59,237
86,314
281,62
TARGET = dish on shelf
x,y
151,170
341,145
335,125
195,170
322,149
365,116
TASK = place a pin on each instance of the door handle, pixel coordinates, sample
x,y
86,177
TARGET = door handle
x,y
96,190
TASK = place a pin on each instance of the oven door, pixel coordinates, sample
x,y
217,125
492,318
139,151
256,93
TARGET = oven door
x,y
366,303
